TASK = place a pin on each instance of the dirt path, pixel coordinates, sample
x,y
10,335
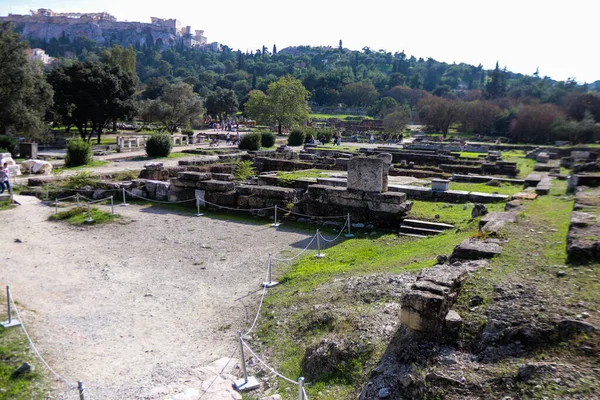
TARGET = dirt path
x,y
135,309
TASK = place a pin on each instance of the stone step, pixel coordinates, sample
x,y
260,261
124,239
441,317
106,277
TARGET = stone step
x,y
419,231
427,224
411,235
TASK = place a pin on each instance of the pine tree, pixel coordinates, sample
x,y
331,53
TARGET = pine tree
x,y
274,49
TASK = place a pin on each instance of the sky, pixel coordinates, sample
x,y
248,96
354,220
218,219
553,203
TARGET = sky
x,y
558,37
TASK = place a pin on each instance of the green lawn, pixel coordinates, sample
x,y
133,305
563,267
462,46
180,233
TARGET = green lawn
x,y
92,164
503,188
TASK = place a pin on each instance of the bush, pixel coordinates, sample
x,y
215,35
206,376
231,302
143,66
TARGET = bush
x,y
243,170
159,145
81,179
267,139
327,132
187,132
79,152
250,141
296,137
10,144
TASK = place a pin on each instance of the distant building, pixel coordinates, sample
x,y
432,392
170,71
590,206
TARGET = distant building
x,y
45,24
38,55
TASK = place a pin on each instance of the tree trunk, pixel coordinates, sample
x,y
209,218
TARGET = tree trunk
x,y
279,128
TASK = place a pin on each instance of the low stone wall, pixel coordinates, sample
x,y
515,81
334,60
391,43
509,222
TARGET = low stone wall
x,y
583,239
448,196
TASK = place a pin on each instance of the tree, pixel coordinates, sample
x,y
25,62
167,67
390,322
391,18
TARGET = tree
x,y
382,107
396,121
120,56
496,85
359,94
438,113
274,49
285,104
92,95
24,93
535,123
479,116
580,104
221,103
178,107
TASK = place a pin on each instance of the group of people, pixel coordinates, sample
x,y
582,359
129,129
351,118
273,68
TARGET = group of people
x,y
336,140
229,139
4,181
224,126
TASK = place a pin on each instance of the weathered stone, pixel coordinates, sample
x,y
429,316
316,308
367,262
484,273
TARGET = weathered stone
x,y
227,199
222,177
512,204
366,174
23,369
194,176
153,165
453,321
473,249
440,184
215,186
154,174
478,210
383,393
274,192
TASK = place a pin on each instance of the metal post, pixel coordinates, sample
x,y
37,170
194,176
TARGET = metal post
x,y
47,192
81,388
77,196
275,224
56,206
10,322
319,254
89,215
301,388
124,201
249,382
112,204
270,283
198,213
349,234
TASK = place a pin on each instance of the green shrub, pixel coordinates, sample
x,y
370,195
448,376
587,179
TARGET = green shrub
x,y
250,141
10,144
159,145
81,179
243,170
296,137
267,139
79,152
187,132
327,132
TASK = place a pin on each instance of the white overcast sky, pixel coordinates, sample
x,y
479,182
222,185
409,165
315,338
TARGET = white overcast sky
x,y
559,37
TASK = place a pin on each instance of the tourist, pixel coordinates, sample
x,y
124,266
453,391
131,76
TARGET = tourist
x,y
323,140
371,139
228,138
4,183
312,139
339,140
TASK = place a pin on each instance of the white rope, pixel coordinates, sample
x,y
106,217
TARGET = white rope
x,y
98,201
262,298
337,237
304,393
65,198
315,216
239,209
297,255
72,385
159,201
266,366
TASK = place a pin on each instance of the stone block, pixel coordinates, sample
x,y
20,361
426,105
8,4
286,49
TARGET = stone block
x,y
176,193
194,176
274,192
542,158
453,321
256,202
227,199
162,191
222,177
474,249
154,174
366,174
440,184
215,186
477,197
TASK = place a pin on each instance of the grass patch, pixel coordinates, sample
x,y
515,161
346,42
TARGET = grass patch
x,y
503,188
458,215
524,165
14,350
93,164
78,216
302,174
7,206
170,156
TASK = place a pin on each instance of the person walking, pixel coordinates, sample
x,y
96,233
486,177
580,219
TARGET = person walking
x,y
4,182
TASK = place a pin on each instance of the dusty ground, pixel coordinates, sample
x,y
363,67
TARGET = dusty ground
x,y
136,309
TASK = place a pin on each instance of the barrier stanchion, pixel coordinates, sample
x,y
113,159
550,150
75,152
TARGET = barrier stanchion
x,y
10,322
349,234
198,213
301,388
112,204
124,201
77,196
319,254
89,215
81,389
249,382
56,206
271,282
275,224
47,192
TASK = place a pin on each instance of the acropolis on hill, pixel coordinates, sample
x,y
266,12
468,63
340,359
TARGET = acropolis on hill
x,y
103,28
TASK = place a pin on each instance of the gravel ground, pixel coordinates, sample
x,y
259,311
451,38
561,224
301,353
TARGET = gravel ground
x,y
134,308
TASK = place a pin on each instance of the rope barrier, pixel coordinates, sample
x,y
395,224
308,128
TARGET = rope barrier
x,y
297,255
267,366
337,237
70,384
65,198
159,201
304,393
239,209
262,299
314,216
